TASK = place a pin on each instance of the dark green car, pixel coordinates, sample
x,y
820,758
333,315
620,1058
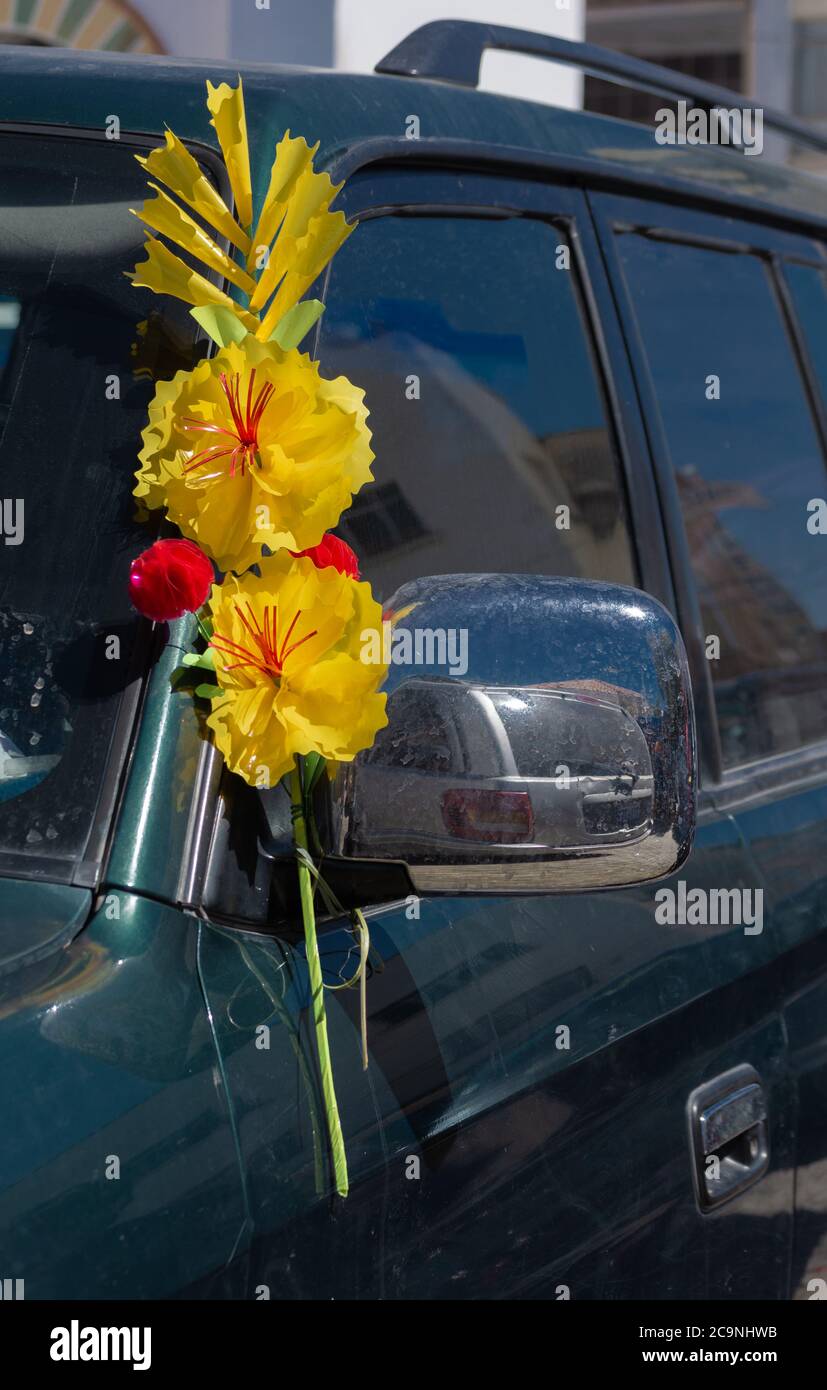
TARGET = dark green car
x,y
598,1067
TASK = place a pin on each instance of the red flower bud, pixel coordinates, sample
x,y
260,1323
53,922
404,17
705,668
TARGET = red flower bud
x,y
170,579
331,551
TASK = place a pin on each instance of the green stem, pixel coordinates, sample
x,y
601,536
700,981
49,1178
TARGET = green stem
x,y
314,968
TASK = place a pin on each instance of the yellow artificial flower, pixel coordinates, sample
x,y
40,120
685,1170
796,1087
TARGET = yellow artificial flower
x,y
254,448
288,650
295,235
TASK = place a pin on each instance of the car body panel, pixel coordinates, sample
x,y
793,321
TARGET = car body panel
x,y
534,1057
37,919
118,1158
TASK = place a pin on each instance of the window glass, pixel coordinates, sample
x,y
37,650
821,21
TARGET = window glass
x,y
73,401
747,459
491,440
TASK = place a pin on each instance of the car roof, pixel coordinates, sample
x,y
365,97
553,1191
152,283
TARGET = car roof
x,y
67,88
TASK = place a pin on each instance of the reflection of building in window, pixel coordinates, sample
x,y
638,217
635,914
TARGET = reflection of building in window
x,y
577,468
505,423
766,624
381,519
770,676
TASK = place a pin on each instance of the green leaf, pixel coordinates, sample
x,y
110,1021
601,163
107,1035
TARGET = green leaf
x,y
181,679
208,692
204,660
314,766
222,325
296,323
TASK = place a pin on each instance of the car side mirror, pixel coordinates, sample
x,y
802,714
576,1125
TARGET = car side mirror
x,y
540,738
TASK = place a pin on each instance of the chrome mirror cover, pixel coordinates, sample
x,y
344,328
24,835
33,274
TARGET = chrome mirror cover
x,y
540,738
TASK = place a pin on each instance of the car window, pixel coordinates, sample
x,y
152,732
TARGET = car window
x,y
493,448
73,401
747,461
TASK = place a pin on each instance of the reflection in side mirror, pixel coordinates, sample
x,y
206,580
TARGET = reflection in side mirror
x,y
563,758
505,766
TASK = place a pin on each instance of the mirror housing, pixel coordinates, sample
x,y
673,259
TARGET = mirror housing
x,y
540,739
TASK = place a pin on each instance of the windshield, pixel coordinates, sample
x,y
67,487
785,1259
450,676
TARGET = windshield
x,y
73,401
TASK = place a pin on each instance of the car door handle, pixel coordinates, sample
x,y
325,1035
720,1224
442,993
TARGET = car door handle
x,y
728,1135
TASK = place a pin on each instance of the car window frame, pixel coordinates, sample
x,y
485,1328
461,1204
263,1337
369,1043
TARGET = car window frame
x,y
730,232
88,871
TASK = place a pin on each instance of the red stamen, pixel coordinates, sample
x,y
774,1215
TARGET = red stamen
x,y
246,421
265,655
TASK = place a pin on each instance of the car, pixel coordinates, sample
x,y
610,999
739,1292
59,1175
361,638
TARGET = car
x,y
596,368
461,764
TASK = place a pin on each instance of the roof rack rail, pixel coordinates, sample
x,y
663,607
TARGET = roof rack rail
x,y
451,50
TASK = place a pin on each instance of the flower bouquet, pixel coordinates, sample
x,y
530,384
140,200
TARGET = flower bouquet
x,y
254,455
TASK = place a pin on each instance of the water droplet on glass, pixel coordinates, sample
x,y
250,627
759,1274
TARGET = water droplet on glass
x,y
35,700
34,740
51,833
39,683
28,629
34,837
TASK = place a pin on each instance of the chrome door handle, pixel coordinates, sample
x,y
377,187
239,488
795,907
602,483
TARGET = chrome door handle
x,y
728,1135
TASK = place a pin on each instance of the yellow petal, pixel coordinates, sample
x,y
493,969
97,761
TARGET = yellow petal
x,y
313,194
173,165
164,215
326,234
351,399
293,156
226,106
307,196
166,273
297,256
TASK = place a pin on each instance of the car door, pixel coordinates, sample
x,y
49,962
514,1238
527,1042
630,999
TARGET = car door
x,y
727,321
522,1128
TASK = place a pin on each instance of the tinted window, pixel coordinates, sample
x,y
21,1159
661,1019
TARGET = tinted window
x,y
71,413
747,464
484,400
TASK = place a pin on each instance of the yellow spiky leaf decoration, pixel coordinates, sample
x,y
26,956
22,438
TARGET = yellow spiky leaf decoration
x,y
173,165
254,455
294,237
226,106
